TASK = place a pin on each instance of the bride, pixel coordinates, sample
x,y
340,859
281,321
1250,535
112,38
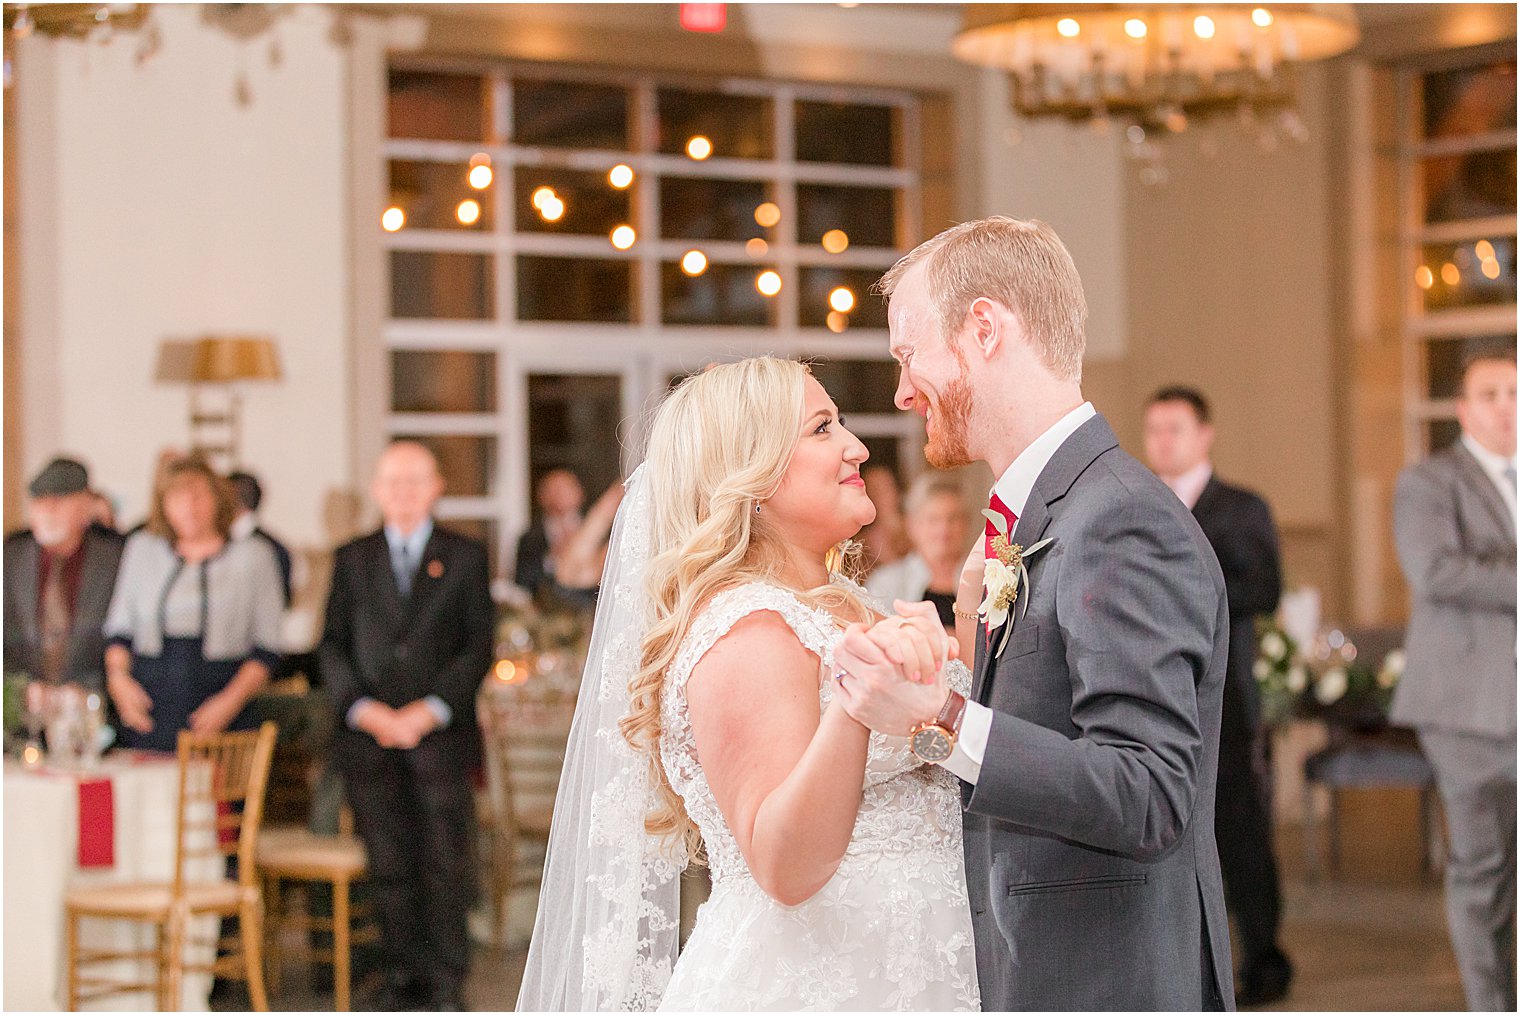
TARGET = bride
x,y
707,729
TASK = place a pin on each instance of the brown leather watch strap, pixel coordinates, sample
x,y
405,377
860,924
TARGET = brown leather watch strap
x,y
953,714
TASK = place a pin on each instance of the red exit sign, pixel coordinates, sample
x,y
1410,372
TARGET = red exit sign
x,y
704,17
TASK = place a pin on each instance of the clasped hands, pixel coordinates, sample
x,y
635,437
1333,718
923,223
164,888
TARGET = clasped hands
x,y
401,728
889,675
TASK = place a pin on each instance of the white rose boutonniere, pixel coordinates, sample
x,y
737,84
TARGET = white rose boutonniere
x,y
1005,575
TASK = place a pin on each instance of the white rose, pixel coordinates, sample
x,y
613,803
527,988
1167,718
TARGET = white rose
x,y
1298,679
1262,669
1393,669
1331,687
1274,646
996,578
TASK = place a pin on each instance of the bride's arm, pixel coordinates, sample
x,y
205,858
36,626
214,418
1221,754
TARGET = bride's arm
x,y
788,783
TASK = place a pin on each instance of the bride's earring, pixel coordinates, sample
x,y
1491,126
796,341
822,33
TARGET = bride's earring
x,y
757,508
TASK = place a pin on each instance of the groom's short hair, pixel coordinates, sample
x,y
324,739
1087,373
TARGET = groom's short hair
x,y
1021,264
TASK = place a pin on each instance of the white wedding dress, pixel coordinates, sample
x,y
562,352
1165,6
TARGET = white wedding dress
x,y
890,931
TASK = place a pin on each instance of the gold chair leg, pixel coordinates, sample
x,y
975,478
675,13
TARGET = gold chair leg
x,y
71,919
251,926
161,974
272,929
174,964
341,968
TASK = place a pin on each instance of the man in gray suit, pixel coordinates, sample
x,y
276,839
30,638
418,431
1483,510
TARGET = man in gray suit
x,y
58,580
1089,747
1454,517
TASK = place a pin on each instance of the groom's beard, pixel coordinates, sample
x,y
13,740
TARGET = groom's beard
x,y
948,440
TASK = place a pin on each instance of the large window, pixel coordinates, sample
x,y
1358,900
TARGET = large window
x,y
1457,239
561,245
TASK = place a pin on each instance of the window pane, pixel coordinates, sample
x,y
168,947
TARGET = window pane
x,y
587,204
1469,186
711,209
1471,100
1474,274
858,385
573,423
431,195
564,114
483,529
446,381
818,286
428,284
438,107
574,289
1445,357
723,294
739,126
1441,432
868,215
468,463
839,132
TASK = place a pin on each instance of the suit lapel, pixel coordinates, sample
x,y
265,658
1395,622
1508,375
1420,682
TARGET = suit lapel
x,y
1207,499
1483,488
430,575
1080,450
94,585
383,577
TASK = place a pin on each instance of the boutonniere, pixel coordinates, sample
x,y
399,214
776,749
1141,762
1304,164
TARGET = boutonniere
x,y
1005,575
435,569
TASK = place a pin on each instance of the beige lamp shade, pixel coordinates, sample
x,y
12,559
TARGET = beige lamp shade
x,y
222,359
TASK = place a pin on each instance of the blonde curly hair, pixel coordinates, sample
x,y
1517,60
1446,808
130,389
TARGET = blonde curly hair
x,y
720,443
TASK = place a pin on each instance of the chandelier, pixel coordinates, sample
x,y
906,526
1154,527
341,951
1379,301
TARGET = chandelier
x,y
1156,67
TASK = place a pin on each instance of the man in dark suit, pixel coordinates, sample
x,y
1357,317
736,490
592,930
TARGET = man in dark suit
x,y
560,498
1454,518
1087,750
409,637
58,580
1179,437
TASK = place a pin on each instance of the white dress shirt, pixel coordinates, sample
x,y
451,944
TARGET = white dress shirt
x,y
1495,466
1190,485
1013,489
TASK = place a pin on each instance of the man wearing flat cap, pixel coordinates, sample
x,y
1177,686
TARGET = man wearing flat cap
x,y
58,580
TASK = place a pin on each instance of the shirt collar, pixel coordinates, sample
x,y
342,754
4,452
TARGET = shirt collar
x,y
414,543
243,525
1492,464
1014,485
1190,485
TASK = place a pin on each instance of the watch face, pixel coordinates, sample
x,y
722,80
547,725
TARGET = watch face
x,y
931,744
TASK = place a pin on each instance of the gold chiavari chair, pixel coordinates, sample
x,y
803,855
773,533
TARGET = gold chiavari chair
x,y
222,778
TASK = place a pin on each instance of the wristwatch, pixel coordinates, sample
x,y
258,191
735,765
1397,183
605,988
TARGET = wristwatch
x,y
932,742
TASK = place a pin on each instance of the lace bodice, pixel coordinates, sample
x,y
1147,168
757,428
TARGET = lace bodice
x,y
898,900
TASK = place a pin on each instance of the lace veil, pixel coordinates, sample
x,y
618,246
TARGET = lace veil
x,y
605,938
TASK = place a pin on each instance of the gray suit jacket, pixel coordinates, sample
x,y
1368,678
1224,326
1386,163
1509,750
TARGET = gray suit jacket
x,y
1093,876
87,644
1456,542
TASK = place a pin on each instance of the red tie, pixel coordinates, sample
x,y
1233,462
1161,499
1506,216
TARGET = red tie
x,y
997,505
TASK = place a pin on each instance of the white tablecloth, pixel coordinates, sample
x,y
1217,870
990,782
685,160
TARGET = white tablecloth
x,y
42,863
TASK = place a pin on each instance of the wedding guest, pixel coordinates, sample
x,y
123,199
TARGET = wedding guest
x,y
1179,439
250,494
938,531
58,579
578,575
102,512
194,621
560,499
886,539
1454,523
409,637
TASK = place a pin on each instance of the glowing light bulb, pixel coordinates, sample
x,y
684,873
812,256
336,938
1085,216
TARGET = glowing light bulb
x,y
756,247
480,177
623,237
393,219
1068,28
767,214
506,671
842,300
835,241
1261,18
543,195
699,148
837,322
1491,268
1449,274
620,176
468,212
694,263
1203,26
1484,250
768,282
1424,277
1135,28
552,210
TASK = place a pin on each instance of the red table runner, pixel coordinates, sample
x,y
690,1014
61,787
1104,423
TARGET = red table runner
x,y
97,823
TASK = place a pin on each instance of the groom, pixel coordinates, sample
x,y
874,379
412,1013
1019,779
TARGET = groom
x,y
1088,750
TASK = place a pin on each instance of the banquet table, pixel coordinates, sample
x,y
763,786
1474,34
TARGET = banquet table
x,y
128,835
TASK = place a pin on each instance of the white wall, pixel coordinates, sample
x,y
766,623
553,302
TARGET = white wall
x,y
154,207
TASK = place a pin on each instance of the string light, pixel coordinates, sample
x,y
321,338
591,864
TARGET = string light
x,y
480,177
756,247
1068,28
837,322
699,148
620,176
542,195
694,263
768,282
468,212
623,237
767,214
552,210
842,300
1135,28
836,241
392,219
1424,277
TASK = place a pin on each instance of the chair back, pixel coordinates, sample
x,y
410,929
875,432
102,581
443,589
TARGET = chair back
x,y
525,754
222,779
